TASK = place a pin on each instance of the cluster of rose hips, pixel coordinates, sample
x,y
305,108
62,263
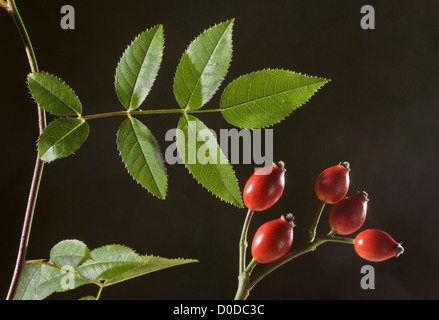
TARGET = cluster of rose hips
x,y
274,238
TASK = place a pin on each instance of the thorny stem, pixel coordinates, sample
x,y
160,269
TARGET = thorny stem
x,y
39,165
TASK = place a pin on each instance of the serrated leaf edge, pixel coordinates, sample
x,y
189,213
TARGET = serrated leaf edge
x,y
324,81
166,184
50,253
129,45
114,280
52,75
239,204
38,140
231,21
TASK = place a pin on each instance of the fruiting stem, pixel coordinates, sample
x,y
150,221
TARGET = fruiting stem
x,y
243,241
332,233
244,273
39,165
312,230
244,278
308,247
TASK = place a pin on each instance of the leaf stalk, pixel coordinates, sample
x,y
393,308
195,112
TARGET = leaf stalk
x,y
312,231
145,112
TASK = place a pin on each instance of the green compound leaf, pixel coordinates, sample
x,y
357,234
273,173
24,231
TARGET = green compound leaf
x,y
61,138
138,68
53,95
263,98
141,154
108,265
203,66
69,253
204,159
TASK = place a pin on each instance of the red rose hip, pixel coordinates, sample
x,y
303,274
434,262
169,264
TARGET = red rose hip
x,y
376,245
333,183
273,239
264,187
349,214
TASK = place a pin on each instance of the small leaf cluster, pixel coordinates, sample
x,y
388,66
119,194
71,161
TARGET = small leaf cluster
x,y
256,100
72,265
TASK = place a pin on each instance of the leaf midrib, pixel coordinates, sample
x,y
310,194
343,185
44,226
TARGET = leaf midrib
x,y
144,157
237,201
205,65
141,66
63,137
58,98
271,95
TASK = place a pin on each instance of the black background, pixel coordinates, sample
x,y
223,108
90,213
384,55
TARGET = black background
x,y
379,112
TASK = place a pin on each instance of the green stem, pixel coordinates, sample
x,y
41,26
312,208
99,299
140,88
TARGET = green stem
x,y
308,247
243,240
312,230
332,233
126,113
99,292
247,282
39,165
204,110
244,278
139,112
32,59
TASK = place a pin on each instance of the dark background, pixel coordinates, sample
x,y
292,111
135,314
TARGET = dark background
x,y
379,112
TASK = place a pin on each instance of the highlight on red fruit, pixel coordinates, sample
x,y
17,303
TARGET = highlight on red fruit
x,y
265,187
273,239
376,245
349,214
333,183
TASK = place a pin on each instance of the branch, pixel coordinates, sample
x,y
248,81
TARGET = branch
x,y
39,165
308,247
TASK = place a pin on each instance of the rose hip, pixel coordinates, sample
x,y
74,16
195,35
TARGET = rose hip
x,y
376,245
273,239
333,183
349,214
265,187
